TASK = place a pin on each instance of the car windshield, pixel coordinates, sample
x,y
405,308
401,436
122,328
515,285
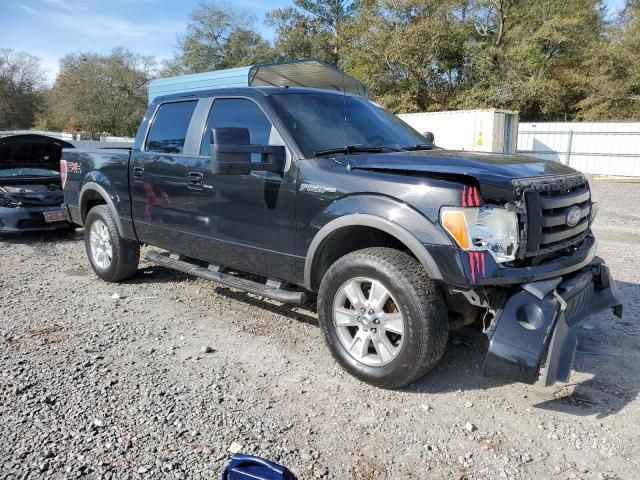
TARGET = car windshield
x,y
325,121
28,172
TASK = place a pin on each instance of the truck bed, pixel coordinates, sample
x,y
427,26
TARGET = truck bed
x,y
108,168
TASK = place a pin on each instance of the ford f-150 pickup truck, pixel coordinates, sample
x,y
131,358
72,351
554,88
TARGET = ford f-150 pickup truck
x,y
292,192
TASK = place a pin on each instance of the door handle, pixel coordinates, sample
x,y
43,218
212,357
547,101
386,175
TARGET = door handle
x,y
138,172
195,180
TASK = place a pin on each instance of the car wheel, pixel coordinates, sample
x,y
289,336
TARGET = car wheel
x,y
382,317
112,257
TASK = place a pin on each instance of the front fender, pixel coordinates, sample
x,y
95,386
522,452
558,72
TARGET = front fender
x,y
383,213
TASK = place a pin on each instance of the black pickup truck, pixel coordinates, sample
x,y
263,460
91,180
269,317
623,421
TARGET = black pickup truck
x,y
291,192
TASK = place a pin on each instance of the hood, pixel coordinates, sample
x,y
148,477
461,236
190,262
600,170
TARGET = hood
x,y
493,172
31,151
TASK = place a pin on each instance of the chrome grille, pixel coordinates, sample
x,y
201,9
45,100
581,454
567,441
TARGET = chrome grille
x,y
545,204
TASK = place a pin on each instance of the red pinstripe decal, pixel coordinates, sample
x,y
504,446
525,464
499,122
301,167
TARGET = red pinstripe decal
x,y
475,194
470,196
477,265
473,266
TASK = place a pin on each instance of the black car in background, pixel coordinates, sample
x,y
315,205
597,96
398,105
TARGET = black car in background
x,y
30,183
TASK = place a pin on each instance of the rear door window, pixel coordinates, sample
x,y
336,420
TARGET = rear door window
x,y
169,129
238,113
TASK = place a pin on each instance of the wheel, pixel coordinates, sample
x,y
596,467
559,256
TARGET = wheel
x,y
112,257
382,317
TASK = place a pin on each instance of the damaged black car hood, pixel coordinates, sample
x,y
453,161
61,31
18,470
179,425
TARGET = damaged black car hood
x,y
493,172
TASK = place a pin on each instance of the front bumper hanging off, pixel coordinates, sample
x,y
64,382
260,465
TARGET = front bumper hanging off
x,y
540,318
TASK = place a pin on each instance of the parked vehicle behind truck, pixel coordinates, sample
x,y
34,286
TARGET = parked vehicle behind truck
x,y
30,184
324,192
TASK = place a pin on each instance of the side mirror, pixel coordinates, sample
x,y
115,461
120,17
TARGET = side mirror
x,y
231,152
429,137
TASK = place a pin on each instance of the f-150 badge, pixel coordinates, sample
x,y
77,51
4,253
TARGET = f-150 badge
x,y
314,188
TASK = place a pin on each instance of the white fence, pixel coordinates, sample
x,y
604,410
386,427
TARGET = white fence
x,y
59,135
599,148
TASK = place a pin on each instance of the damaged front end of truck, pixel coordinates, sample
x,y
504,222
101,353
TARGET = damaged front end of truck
x,y
523,256
555,281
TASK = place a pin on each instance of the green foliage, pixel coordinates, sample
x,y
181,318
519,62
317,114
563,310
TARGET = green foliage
x,y
530,56
99,93
21,87
411,53
549,60
218,37
300,36
612,72
524,55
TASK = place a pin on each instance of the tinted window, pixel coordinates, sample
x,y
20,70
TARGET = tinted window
x,y
319,121
238,113
169,129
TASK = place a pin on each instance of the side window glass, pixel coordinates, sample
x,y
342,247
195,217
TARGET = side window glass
x,y
238,113
169,129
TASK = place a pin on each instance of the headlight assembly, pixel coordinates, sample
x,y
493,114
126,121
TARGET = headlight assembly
x,y
490,228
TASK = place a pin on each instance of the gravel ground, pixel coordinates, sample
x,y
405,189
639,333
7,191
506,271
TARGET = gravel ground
x,y
158,377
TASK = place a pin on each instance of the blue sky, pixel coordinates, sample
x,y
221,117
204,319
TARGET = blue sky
x,y
51,28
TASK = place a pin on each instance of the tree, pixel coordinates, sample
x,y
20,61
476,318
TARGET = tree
x,y
299,36
313,28
612,73
99,93
524,55
412,54
218,37
22,82
528,55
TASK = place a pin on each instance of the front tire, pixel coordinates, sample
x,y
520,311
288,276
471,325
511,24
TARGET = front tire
x,y
383,319
112,257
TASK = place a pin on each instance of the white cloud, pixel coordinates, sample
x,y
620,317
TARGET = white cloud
x,y
106,26
28,9
66,5
92,25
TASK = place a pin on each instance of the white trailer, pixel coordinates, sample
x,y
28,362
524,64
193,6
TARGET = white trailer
x,y
474,130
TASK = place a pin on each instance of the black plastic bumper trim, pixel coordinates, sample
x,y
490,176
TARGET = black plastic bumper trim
x,y
516,352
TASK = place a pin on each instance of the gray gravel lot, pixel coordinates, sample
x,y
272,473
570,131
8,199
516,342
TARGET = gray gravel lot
x,y
157,377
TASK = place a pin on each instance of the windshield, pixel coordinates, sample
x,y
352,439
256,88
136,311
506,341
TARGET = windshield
x,y
28,172
321,121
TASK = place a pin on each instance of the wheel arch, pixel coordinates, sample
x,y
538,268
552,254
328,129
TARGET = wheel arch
x,y
320,257
93,194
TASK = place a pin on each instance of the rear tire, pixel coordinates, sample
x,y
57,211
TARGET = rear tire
x,y
112,257
400,321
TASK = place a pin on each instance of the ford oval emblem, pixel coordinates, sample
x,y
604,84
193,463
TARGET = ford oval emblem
x,y
574,215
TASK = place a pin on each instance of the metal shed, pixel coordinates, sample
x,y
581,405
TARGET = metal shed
x,y
312,73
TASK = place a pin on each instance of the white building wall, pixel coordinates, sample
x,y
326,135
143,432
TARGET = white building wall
x,y
599,148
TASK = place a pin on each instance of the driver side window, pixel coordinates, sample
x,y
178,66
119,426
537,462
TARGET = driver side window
x,y
238,113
